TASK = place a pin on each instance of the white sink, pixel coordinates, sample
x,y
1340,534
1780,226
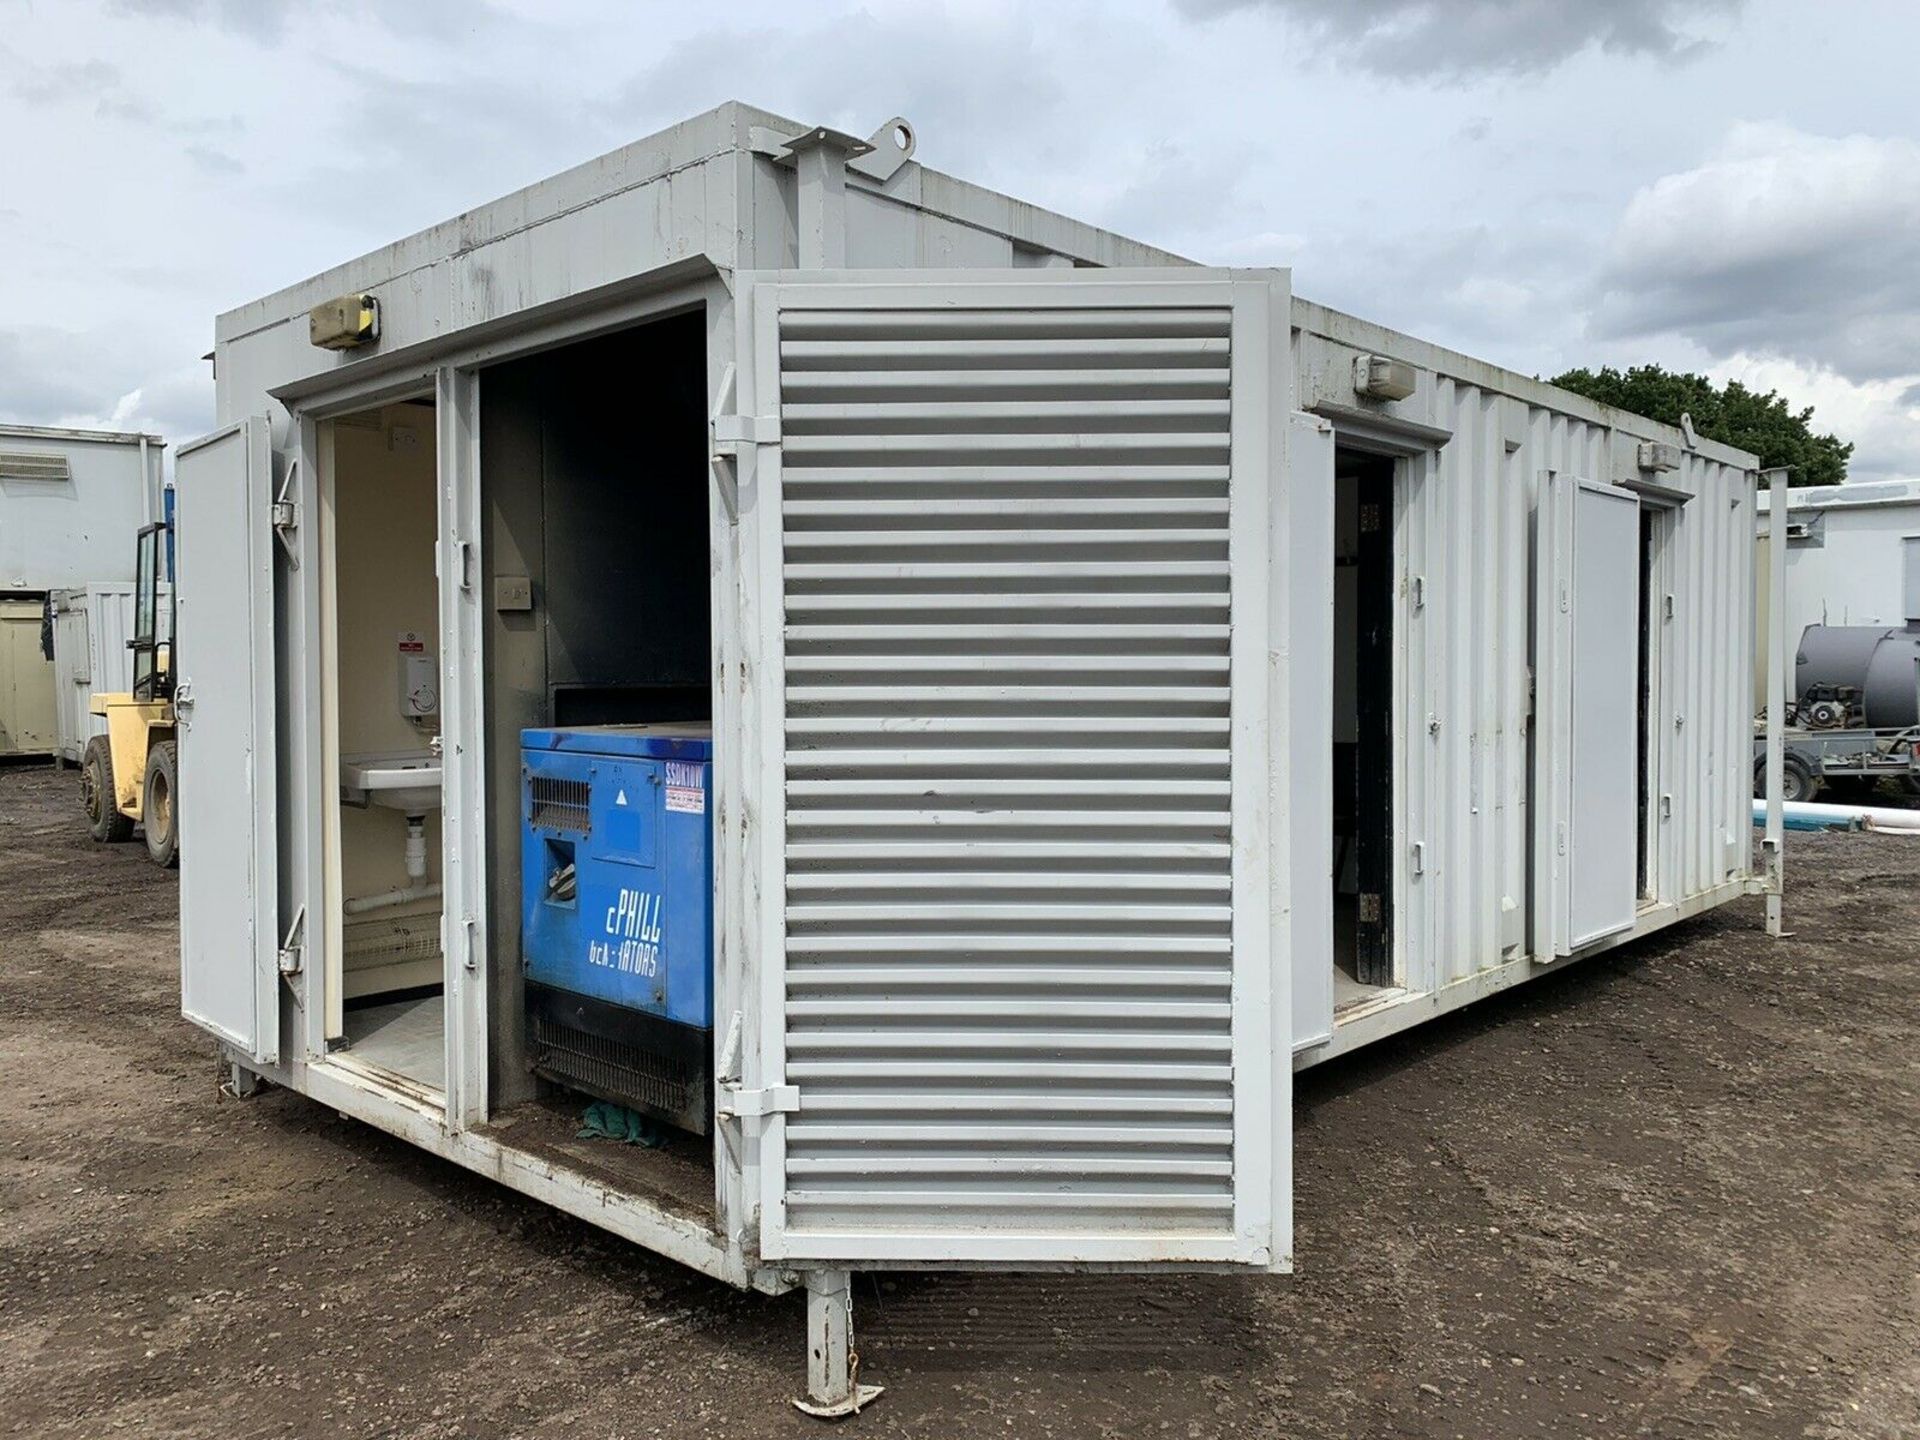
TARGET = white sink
x,y
403,780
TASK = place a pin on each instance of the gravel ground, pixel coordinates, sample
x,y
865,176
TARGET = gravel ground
x,y
1674,1191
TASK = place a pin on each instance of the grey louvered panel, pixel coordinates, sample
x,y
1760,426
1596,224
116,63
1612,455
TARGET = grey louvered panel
x,y
1008,895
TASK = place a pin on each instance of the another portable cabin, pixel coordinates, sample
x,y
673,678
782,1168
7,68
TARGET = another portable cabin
x,y
71,502
93,627
1126,683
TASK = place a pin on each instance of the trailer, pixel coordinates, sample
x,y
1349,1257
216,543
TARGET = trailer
x,y
1101,684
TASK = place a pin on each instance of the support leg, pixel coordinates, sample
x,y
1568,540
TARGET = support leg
x,y
833,1366
242,1083
1773,846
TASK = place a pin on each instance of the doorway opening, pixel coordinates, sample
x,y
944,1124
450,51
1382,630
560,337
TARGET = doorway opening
x,y
1363,728
598,703
385,983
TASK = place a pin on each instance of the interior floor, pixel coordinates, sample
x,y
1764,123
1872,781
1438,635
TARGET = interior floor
x,y
407,1037
678,1174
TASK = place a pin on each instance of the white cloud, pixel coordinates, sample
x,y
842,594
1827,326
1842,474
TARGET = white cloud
x,y
188,155
1425,38
1881,417
1784,244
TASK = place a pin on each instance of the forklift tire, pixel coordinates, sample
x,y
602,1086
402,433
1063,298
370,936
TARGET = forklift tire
x,y
104,820
160,806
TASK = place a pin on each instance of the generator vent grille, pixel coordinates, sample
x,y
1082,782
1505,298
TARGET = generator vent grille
x,y
1008,836
558,804
630,1074
19,465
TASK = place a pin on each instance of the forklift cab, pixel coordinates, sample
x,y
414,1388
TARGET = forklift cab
x,y
152,660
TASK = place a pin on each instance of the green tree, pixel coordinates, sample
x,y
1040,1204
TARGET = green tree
x,y
1734,415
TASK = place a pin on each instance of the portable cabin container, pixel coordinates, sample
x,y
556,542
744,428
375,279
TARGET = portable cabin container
x,y
93,628
71,502
1126,683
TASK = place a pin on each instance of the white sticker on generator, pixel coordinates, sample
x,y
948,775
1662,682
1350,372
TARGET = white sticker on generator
x,y
685,792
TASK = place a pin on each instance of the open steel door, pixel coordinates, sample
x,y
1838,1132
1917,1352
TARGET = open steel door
x,y
224,707
1586,706
1023,897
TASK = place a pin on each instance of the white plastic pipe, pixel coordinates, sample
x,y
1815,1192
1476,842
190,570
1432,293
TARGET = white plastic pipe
x,y
361,904
417,847
1873,817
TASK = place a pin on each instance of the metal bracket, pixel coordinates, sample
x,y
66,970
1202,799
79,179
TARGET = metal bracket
x,y
470,952
293,947
286,516
886,150
731,432
893,144
739,1104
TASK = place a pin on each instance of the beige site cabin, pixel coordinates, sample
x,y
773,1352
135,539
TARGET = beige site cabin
x,y
1128,684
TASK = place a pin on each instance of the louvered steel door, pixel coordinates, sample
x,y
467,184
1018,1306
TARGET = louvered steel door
x,y
1017,697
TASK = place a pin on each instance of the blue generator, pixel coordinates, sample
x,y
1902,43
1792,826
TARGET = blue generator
x,y
616,926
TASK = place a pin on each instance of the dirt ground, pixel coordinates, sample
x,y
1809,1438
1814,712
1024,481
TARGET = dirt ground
x,y
1672,1192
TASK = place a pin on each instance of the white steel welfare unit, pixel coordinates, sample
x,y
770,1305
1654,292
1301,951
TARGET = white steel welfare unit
x,y
1128,684
70,504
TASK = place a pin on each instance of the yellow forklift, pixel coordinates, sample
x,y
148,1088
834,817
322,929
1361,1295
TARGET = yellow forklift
x,y
130,775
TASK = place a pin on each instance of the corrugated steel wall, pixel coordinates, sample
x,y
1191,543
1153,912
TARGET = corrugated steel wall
x,y
1466,535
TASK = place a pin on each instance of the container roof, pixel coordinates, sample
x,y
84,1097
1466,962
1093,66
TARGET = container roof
x,y
1855,495
732,126
96,437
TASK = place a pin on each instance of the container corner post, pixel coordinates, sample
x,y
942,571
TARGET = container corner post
x,y
1774,845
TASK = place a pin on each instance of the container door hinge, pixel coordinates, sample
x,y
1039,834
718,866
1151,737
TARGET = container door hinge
x,y
293,947
1419,592
286,516
469,943
737,1103
1419,857
732,432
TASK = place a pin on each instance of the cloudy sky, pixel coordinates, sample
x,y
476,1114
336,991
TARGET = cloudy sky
x,y
1726,185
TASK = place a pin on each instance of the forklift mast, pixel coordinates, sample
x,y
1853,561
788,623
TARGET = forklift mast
x,y
152,645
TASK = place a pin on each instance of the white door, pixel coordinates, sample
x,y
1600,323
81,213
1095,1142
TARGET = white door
x,y
1303,792
1021,997
223,697
1586,679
